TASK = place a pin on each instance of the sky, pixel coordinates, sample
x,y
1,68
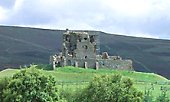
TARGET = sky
x,y
141,18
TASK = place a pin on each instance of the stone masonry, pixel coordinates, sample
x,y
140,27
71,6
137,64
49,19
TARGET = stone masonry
x,y
80,50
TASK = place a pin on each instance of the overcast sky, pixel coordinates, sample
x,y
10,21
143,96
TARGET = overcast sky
x,y
144,18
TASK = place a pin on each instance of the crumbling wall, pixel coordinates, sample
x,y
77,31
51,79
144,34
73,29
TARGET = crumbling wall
x,y
90,63
101,63
115,64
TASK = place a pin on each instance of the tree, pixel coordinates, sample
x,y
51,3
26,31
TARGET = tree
x,y
31,85
110,89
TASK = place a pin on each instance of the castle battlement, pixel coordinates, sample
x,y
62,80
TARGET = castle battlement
x,y
80,49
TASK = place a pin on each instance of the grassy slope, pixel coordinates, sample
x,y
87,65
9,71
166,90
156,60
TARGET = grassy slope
x,y
73,78
24,46
78,77
8,72
73,74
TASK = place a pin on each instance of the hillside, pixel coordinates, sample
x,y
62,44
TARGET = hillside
x,y
23,46
71,78
74,74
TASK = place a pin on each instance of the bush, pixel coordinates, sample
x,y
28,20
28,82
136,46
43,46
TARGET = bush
x,y
163,96
3,83
110,89
30,85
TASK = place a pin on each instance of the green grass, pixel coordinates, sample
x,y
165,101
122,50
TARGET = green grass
x,y
72,74
8,72
87,74
78,78
155,90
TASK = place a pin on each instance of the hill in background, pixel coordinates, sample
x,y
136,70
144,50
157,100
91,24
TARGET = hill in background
x,y
24,46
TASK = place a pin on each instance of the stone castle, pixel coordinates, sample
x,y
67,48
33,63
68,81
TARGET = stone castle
x,y
80,49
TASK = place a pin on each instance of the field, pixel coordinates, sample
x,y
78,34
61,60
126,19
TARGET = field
x,y
71,78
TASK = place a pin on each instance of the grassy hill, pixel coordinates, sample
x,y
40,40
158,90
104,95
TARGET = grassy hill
x,y
74,74
71,78
24,46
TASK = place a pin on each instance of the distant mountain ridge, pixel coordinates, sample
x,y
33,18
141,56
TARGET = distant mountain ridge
x,y
24,46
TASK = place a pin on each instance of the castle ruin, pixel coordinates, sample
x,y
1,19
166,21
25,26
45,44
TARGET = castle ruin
x,y
80,49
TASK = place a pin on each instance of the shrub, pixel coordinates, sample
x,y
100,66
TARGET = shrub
x,y
3,83
110,89
30,85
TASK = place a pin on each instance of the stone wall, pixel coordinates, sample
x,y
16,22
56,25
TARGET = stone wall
x,y
91,63
100,63
115,64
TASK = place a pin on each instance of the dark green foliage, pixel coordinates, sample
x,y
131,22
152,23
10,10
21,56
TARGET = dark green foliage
x,y
3,83
44,66
30,85
110,89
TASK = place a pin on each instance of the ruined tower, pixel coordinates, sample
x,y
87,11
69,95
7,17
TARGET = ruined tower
x,y
79,45
79,49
